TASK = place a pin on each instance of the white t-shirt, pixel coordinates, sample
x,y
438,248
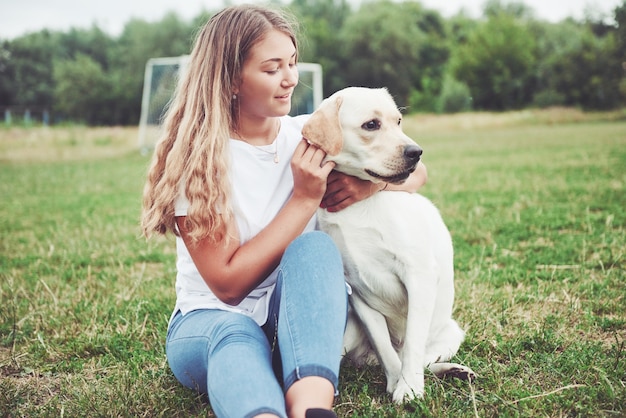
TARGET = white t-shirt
x,y
261,188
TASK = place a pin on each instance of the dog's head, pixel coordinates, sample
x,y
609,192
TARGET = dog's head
x,y
360,130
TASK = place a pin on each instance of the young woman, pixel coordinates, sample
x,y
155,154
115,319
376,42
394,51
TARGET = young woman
x,y
261,301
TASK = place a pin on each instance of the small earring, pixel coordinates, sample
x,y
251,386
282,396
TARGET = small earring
x,y
234,97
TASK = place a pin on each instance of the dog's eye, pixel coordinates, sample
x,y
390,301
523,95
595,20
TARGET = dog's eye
x,y
371,125
399,121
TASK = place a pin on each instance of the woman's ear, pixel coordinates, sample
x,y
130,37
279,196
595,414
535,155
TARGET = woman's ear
x,y
323,127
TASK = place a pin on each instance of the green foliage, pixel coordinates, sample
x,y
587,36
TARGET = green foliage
x,y
366,34
455,97
496,63
515,9
508,59
108,72
555,41
32,78
82,89
590,78
410,54
93,43
320,23
139,42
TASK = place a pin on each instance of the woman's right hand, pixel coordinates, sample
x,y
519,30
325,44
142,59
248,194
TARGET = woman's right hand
x,y
232,269
310,172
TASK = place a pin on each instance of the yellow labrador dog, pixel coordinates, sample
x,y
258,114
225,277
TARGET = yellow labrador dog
x,y
396,249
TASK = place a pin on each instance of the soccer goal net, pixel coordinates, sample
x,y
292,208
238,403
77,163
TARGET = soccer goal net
x,y
162,74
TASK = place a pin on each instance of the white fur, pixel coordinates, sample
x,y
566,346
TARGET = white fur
x,y
397,251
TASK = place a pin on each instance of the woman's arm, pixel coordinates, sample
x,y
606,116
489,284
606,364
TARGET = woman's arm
x,y
232,270
344,190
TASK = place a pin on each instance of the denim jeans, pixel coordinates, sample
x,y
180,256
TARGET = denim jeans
x,y
245,368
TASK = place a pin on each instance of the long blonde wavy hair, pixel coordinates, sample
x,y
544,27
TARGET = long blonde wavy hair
x,y
193,150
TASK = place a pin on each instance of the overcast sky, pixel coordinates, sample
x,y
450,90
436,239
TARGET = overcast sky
x,y
18,17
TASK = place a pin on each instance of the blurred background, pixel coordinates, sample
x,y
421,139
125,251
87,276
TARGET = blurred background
x,y
84,62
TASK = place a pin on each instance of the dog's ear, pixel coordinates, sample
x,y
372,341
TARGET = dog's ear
x,y
323,128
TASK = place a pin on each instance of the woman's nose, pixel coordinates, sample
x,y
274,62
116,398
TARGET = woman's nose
x,y
291,77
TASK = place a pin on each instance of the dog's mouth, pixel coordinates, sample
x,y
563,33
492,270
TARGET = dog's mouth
x,y
394,179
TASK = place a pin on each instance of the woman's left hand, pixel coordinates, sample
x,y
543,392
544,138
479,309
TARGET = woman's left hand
x,y
343,190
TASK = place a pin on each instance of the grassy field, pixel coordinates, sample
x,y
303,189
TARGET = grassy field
x,y
535,201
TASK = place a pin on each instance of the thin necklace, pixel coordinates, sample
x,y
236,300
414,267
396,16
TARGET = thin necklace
x,y
274,153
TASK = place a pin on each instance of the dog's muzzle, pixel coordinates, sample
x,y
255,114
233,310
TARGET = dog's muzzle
x,y
412,154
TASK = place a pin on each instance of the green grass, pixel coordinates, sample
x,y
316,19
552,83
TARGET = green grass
x,y
537,211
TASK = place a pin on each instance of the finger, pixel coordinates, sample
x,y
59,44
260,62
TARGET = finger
x,y
327,167
337,206
333,177
329,200
303,145
314,154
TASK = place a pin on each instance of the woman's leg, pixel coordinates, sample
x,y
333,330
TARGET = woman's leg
x,y
226,355
309,307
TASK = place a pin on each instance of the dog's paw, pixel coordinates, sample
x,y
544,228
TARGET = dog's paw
x,y
406,391
457,371
393,376
392,383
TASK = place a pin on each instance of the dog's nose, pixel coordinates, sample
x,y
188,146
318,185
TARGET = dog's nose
x,y
412,153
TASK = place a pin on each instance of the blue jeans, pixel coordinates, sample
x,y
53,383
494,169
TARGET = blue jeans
x,y
244,368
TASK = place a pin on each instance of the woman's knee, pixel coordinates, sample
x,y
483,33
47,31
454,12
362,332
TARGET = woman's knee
x,y
312,266
204,335
236,329
314,238
314,247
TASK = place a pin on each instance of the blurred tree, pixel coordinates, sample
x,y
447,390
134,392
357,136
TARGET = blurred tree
x,y
320,24
434,55
515,9
7,75
620,22
578,64
554,42
29,61
459,29
82,91
496,63
506,60
620,33
455,97
587,76
139,42
400,46
92,42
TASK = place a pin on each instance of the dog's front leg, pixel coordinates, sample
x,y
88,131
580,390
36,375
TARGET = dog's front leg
x,y
422,293
375,325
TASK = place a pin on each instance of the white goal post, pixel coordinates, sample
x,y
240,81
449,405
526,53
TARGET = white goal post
x,y
162,74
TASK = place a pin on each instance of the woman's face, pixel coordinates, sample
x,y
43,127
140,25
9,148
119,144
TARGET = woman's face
x,y
268,77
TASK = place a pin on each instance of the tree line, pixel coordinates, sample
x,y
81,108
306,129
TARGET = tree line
x,y
506,59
